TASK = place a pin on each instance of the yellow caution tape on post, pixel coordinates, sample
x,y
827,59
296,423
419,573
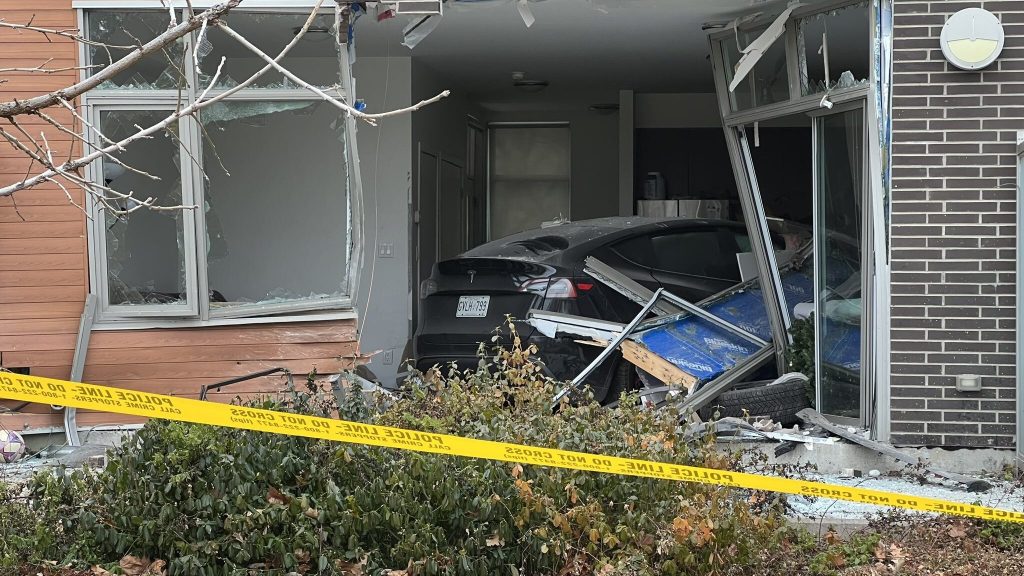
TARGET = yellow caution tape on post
x,y
122,401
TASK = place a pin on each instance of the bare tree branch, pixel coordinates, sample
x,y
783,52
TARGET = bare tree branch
x,y
212,15
369,118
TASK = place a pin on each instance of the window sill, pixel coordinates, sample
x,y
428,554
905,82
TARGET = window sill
x,y
154,323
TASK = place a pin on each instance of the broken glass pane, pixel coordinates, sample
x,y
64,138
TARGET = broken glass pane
x,y
768,82
144,249
276,203
314,58
843,35
161,70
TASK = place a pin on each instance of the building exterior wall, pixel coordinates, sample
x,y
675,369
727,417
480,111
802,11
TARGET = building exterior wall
x,y
953,231
44,275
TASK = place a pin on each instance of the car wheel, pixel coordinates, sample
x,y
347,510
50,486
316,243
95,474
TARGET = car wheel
x,y
780,402
622,379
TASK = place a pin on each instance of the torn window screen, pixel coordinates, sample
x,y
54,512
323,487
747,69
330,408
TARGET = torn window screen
x,y
161,70
314,58
846,32
767,82
144,249
276,207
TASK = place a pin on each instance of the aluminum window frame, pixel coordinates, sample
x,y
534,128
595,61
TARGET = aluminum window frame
x,y
875,394
199,312
868,298
99,275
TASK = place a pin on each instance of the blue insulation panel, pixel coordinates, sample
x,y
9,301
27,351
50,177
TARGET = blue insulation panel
x,y
705,351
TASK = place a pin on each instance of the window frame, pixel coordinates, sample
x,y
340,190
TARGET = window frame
x,y
198,312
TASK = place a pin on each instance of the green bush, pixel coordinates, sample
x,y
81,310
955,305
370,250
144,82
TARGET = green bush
x,y
221,501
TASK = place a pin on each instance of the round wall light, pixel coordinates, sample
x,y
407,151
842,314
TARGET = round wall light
x,y
972,39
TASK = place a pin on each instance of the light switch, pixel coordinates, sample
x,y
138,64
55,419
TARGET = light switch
x,y
386,250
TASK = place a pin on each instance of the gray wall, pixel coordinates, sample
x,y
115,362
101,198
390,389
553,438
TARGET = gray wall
x,y
953,232
383,301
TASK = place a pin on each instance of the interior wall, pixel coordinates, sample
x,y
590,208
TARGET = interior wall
x,y
595,156
439,131
383,299
677,110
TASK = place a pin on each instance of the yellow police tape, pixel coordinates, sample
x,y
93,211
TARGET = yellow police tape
x,y
90,396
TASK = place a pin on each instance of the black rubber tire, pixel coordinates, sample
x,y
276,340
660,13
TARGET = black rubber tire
x,y
623,378
780,402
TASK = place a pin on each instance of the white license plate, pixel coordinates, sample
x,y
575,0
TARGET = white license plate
x,y
472,306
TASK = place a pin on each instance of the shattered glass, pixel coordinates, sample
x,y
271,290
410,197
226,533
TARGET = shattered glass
x,y
276,203
767,82
162,70
847,35
145,251
314,58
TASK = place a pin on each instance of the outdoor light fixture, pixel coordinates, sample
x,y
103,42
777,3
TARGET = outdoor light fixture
x,y
972,39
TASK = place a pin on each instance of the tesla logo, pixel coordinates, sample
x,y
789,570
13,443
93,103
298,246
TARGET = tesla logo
x,y
472,274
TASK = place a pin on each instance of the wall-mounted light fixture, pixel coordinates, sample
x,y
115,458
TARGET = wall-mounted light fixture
x,y
972,39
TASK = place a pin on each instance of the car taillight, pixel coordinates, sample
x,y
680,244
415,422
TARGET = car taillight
x,y
557,288
427,287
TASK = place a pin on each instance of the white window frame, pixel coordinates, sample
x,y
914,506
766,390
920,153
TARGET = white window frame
x,y
197,311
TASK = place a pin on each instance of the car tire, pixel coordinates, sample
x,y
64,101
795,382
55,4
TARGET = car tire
x,y
780,402
622,379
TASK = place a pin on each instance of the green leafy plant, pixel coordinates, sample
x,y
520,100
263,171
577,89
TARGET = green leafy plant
x,y
800,354
214,501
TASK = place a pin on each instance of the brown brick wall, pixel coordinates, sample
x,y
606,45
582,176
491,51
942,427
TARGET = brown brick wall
x,y
954,231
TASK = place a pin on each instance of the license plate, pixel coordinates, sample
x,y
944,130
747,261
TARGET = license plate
x,y
472,306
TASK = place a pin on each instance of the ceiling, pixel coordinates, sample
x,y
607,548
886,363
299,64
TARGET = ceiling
x,y
583,47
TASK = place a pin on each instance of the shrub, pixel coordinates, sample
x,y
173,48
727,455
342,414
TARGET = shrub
x,y
222,501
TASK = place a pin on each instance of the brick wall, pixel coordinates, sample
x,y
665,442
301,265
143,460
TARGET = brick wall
x,y
954,231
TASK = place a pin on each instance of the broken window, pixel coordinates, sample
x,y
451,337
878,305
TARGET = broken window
x,y
314,58
275,203
263,177
124,30
832,48
144,249
767,82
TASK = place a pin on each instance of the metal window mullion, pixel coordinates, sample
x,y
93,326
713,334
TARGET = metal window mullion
x,y
768,267
753,214
353,179
818,258
793,63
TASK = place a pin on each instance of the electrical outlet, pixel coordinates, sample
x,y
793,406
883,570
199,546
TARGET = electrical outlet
x,y
389,357
386,250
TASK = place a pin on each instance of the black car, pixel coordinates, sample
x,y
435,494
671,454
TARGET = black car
x,y
468,297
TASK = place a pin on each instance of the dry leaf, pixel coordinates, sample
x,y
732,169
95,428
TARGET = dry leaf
x,y
311,513
495,540
133,565
350,569
517,470
157,568
837,559
832,538
97,571
274,496
681,529
957,531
